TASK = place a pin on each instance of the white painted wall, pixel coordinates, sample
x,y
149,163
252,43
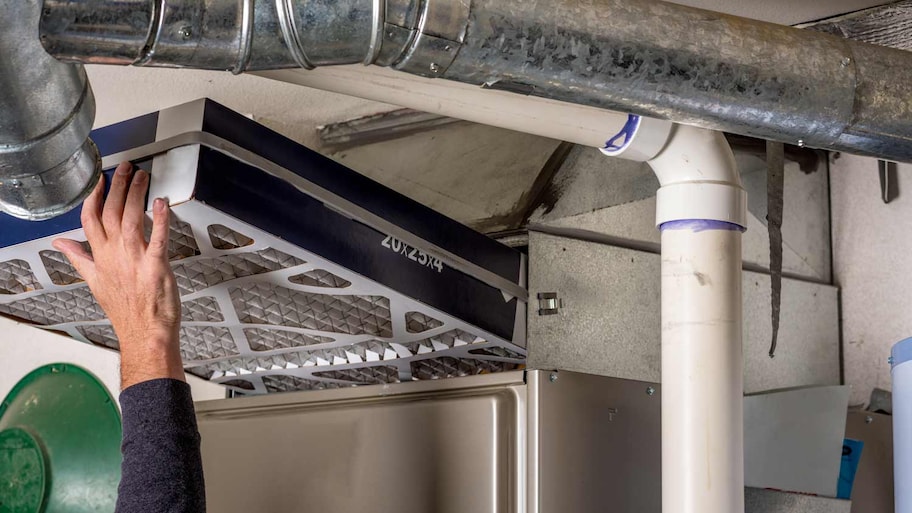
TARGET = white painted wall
x,y
126,92
24,349
872,258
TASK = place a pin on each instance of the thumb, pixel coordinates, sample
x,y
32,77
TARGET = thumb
x,y
78,256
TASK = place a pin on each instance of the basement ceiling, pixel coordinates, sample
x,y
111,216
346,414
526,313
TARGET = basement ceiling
x,y
783,12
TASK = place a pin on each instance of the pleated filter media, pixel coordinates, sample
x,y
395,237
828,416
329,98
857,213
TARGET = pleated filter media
x,y
289,276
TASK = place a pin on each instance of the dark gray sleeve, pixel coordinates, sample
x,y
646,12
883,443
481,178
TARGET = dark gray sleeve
x,y
162,468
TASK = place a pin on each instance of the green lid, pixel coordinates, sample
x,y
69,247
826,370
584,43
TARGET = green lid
x,y
60,438
22,473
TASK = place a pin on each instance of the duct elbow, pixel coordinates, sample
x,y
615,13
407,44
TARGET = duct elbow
x,y
50,192
699,179
48,165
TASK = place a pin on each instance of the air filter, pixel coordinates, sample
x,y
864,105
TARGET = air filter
x,y
295,272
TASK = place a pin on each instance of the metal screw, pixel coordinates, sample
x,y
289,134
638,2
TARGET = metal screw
x,y
435,68
447,48
185,32
553,377
391,34
650,391
869,419
846,61
801,143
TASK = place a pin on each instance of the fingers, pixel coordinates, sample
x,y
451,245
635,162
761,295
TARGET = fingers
x,y
114,206
91,213
78,257
134,213
158,242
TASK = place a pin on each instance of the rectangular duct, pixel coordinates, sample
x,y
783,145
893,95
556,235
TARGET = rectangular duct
x,y
295,273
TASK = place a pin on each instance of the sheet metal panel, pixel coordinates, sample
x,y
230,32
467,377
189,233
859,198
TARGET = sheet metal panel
x,y
599,443
609,323
446,447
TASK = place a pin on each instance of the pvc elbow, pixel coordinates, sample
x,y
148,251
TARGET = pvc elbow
x,y
699,179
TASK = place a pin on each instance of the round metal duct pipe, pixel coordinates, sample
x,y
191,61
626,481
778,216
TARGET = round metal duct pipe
x,y
645,57
47,162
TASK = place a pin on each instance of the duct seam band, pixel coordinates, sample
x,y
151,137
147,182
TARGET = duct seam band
x,y
289,28
245,37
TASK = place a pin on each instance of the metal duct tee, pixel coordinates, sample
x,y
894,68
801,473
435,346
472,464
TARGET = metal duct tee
x,y
47,162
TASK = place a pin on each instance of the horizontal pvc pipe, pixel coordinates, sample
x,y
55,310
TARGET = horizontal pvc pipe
x,y
579,124
902,425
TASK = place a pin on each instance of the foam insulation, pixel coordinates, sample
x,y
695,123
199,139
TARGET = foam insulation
x,y
885,25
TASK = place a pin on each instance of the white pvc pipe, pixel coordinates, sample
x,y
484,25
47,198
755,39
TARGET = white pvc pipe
x,y
569,122
701,210
699,178
702,372
902,425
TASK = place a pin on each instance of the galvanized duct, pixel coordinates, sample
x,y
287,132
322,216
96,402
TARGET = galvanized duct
x,y
47,162
646,57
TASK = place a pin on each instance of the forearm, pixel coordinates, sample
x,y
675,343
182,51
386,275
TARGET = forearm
x,y
162,468
148,356
132,280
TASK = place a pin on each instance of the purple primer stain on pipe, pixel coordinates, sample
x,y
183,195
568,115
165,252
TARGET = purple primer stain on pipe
x,y
613,146
701,225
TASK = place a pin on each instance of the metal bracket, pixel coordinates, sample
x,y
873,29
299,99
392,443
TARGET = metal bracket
x,y
889,182
548,303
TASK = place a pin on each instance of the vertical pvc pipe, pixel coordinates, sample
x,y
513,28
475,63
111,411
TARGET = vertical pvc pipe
x,y
702,369
701,209
902,425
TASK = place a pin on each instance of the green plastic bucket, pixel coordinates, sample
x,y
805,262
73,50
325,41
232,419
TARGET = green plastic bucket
x,y
60,435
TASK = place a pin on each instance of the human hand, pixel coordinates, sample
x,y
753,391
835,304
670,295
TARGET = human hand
x,y
131,278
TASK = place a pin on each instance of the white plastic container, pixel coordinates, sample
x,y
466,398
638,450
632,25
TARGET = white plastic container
x,y
902,424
